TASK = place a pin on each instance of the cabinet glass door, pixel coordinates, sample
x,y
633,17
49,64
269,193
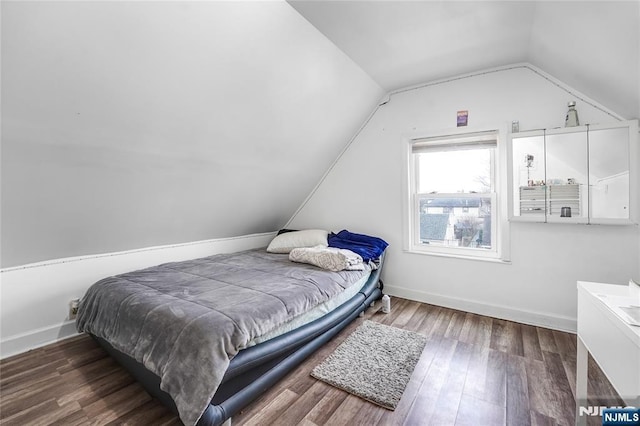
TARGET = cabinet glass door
x,y
609,174
529,196
567,176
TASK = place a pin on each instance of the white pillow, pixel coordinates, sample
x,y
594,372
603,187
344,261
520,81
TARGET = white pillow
x,y
287,241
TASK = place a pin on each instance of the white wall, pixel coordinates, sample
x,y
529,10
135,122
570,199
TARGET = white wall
x,y
34,298
363,192
133,124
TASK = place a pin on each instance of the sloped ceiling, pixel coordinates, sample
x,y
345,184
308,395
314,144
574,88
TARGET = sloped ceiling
x,y
134,124
594,46
130,124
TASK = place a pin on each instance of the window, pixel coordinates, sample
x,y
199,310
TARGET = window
x,y
453,196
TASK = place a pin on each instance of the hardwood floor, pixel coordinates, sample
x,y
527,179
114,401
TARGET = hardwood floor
x,y
475,370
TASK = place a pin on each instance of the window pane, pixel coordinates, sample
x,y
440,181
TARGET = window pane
x,y
456,222
462,171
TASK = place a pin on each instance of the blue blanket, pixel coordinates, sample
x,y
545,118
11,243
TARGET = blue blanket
x,y
368,247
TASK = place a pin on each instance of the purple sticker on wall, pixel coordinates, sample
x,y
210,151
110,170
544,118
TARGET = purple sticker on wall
x,y
462,118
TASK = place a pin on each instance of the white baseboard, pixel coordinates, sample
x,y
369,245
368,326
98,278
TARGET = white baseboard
x,y
35,298
37,338
539,319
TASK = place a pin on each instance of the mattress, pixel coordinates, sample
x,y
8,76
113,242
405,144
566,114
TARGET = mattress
x,y
315,313
184,321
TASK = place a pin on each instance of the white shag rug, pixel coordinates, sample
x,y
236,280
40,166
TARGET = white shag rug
x,y
375,363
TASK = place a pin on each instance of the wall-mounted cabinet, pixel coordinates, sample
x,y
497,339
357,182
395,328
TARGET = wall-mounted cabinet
x,y
586,174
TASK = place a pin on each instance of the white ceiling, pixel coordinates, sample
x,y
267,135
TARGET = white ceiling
x,y
136,124
594,46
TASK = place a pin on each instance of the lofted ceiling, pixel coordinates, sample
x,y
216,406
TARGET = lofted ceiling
x,y
136,124
593,46
133,124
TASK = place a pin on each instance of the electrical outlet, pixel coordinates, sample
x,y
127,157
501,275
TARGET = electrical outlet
x,y
73,308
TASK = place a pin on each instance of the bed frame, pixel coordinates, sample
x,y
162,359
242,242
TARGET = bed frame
x,y
255,369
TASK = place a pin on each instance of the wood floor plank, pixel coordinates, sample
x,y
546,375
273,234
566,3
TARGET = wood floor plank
x,y
326,406
499,338
168,419
476,378
307,422
27,387
44,413
145,414
469,328
474,370
425,402
270,413
405,314
566,344
466,331
506,336
397,307
496,378
417,318
516,344
547,341
298,409
117,404
369,414
442,322
23,393
37,360
517,406
454,328
563,401
570,372
538,387
17,379
477,412
77,418
97,389
483,332
24,359
29,413
78,360
92,371
531,342
538,419
451,393
428,324
43,393
78,344
345,414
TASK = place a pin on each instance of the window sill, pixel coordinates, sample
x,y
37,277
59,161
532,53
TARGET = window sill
x,y
460,256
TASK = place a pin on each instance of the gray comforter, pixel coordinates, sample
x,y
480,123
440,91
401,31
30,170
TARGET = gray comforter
x,y
186,320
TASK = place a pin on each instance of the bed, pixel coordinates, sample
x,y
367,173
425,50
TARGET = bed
x,y
207,336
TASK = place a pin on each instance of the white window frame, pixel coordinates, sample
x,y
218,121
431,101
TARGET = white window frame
x,y
500,250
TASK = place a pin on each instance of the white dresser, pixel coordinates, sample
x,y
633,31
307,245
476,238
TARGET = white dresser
x,y
612,341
